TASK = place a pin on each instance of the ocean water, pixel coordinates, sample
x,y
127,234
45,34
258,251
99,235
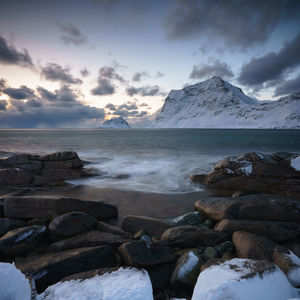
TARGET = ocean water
x,y
155,160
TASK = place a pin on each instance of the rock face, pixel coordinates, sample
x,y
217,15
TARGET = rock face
x,y
43,207
39,170
251,207
50,268
140,254
20,241
193,236
71,223
154,227
274,174
105,227
10,224
253,246
277,231
115,123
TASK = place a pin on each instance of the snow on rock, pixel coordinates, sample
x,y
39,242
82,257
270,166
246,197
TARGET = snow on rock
x,y
13,284
238,279
215,103
122,284
115,123
294,273
295,163
189,264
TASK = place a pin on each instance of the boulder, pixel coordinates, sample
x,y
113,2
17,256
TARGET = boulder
x,y
255,172
253,246
193,236
105,227
277,231
140,254
89,239
7,224
154,227
70,224
251,207
160,275
20,241
30,207
243,279
193,218
48,269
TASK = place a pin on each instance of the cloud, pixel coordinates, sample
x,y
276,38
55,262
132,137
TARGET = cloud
x,y
272,65
21,93
10,56
3,104
55,72
143,104
127,109
217,68
159,74
84,72
288,86
139,75
45,94
72,35
240,24
145,91
125,113
110,73
110,106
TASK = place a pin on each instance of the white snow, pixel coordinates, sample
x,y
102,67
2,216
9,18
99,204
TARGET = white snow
x,y
222,282
13,284
246,167
217,104
295,163
294,274
259,155
28,233
189,264
115,123
122,284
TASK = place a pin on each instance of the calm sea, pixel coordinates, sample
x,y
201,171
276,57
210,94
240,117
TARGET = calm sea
x,y
156,160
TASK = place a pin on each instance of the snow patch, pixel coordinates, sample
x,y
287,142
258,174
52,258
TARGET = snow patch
x,y
115,123
295,163
190,263
122,284
24,235
259,155
246,167
13,284
294,274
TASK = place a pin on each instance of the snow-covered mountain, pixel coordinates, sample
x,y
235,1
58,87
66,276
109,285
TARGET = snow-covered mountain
x,y
216,103
115,123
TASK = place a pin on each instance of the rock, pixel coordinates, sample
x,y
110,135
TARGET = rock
x,y
253,246
226,247
89,239
102,226
140,233
36,170
70,224
277,231
154,227
193,236
160,275
243,279
209,253
187,270
293,245
251,207
193,218
10,224
139,254
254,172
42,221
48,269
30,207
20,241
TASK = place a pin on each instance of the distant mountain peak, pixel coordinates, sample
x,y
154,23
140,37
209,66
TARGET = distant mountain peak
x,y
118,122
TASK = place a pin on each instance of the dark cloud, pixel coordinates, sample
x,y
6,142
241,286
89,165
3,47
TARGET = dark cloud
x,y
72,35
110,73
127,109
239,23
271,66
133,113
110,106
45,94
217,68
145,91
2,84
85,72
128,106
159,74
104,87
10,56
288,86
21,93
3,104
55,72
137,77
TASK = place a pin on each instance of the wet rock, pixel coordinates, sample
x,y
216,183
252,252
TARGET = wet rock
x,y
48,269
89,239
20,241
7,224
226,247
140,233
105,227
193,236
251,207
255,172
160,275
277,231
154,227
193,218
70,224
30,207
209,253
139,254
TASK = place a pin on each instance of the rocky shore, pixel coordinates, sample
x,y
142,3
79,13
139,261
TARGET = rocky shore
x,y
247,243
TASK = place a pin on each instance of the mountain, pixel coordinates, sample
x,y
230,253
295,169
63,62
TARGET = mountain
x,y
115,123
216,103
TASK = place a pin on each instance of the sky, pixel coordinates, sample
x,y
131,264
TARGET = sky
x,y
77,63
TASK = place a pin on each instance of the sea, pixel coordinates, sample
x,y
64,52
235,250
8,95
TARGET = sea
x,y
148,160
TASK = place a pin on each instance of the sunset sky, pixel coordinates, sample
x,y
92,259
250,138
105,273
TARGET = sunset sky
x,y
76,63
